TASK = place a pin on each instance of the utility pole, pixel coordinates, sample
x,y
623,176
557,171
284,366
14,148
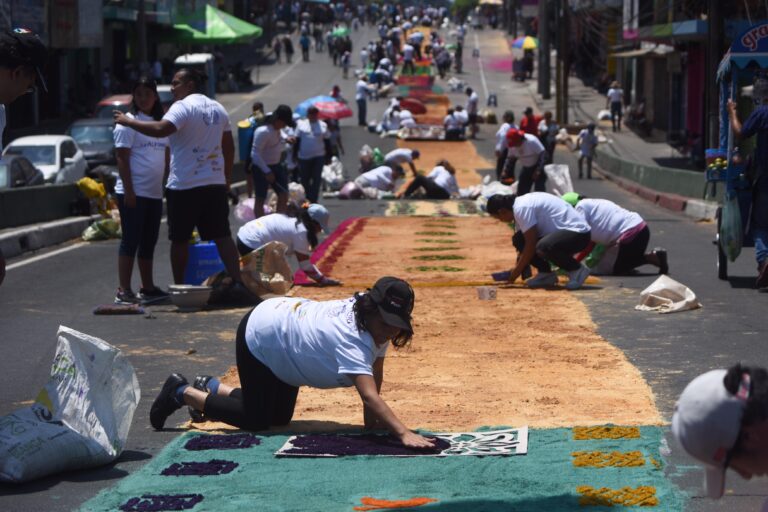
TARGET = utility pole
x,y
544,70
512,6
564,54
712,97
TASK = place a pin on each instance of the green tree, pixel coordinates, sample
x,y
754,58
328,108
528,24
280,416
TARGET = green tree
x,y
462,7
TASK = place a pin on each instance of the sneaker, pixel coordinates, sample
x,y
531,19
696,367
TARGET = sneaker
x,y
762,278
166,404
542,280
661,254
577,277
125,297
153,296
200,383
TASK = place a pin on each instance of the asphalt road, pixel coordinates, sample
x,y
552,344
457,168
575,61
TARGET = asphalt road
x,y
62,290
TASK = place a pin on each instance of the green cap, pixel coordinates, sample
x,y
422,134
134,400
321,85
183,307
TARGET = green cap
x,y
571,198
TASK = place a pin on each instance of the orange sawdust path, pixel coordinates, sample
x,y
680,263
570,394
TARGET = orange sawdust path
x,y
531,357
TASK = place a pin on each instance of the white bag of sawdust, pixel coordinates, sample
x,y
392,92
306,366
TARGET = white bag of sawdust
x,y
80,419
665,295
558,179
266,270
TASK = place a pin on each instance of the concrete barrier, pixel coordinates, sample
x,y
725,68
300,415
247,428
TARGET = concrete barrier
x,y
30,205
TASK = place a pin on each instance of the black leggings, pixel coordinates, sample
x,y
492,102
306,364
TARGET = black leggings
x,y
434,191
632,254
241,247
526,180
262,400
558,247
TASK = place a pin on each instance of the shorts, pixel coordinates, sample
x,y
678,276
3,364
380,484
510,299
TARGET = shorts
x,y
261,185
205,208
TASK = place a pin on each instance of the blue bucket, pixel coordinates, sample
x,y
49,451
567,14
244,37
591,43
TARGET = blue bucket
x,y
245,138
204,261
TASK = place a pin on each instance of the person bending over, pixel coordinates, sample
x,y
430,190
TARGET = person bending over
x,y
287,342
438,184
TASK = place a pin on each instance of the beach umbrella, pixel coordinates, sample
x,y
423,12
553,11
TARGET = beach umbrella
x,y
340,32
302,107
525,43
333,110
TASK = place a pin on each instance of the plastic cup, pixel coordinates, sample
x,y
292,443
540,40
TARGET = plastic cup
x,y
486,292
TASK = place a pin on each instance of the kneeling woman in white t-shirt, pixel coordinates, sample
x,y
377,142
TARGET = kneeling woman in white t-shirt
x,y
547,229
383,177
298,233
286,342
439,184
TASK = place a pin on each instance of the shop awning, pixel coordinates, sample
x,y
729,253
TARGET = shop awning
x,y
220,28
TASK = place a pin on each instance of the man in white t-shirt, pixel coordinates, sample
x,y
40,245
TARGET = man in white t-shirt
x,y
614,101
501,149
472,107
202,154
402,156
587,143
454,128
530,152
312,149
361,97
547,230
22,55
408,50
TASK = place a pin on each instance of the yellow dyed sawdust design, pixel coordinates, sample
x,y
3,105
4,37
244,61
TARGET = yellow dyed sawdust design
x,y
604,432
607,459
644,496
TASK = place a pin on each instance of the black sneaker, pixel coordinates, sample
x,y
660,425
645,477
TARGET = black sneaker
x,y
201,383
125,297
153,296
166,404
661,254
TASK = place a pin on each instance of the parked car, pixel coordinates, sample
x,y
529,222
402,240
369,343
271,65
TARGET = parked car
x,y
18,171
57,156
166,96
107,105
95,137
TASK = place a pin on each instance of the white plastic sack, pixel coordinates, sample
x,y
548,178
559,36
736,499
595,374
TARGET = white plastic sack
x,y
604,115
80,419
558,179
665,295
333,174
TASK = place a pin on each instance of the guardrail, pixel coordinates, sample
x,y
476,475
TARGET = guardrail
x,y
30,205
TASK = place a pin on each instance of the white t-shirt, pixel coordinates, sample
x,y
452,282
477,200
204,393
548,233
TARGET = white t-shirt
x,y
399,156
548,213
197,158
311,137
528,152
462,116
308,343
445,179
501,136
267,148
407,121
451,122
417,37
361,90
380,178
408,52
607,219
615,95
587,142
147,161
275,227
472,102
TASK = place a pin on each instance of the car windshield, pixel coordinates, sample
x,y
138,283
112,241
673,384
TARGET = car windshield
x,y
3,174
38,155
106,111
88,134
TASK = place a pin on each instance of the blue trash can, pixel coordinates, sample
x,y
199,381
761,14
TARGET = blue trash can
x,y
245,129
204,261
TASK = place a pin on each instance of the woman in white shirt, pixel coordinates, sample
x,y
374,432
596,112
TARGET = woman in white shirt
x,y
501,144
438,184
285,343
142,163
547,230
298,233
614,101
313,149
383,177
454,127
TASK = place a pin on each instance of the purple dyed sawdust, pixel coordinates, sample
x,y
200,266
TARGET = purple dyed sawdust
x,y
212,467
222,442
161,502
366,444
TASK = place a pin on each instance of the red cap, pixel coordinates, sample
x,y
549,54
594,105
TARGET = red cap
x,y
515,136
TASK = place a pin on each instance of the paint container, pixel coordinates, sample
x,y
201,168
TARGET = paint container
x,y
486,292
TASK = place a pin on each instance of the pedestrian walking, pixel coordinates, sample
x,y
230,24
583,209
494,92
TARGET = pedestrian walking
x,y
305,42
530,122
361,97
547,230
267,157
288,46
277,48
288,342
142,163
586,143
528,150
508,122
345,62
548,129
615,101
472,106
364,58
313,149
202,154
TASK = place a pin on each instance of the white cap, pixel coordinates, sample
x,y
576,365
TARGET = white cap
x,y
319,214
707,422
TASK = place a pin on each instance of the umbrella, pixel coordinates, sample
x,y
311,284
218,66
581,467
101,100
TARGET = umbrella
x,y
340,32
302,107
525,43
333,110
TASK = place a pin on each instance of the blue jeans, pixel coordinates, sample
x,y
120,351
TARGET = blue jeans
x,y
140,226
311,173
261,185
760,220
361,112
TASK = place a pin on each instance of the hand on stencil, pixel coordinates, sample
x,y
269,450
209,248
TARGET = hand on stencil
x,y
501,276
414,440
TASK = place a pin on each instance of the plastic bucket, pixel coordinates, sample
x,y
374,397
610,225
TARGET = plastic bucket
x,y
204,261
486,292
244,133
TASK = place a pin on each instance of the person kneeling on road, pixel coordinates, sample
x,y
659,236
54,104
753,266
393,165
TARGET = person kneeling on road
x,y
439,184
548,229
613,226
298,234
402,156
721,419
285,343
383,177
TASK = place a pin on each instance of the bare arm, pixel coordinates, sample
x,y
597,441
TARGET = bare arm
x,y
366,387
228,150
371,421
734,118
123,157
157,129
531,238
167,170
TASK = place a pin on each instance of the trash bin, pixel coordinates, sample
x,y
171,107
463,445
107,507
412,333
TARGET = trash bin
x,y
204,261
245,129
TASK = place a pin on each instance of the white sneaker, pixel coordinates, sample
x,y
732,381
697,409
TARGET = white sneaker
x,y
542,280
577,277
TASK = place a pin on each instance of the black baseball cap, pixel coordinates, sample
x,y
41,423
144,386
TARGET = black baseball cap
x,y
22,47
395,298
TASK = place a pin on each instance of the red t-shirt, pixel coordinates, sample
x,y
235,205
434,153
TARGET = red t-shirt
x,y
530,124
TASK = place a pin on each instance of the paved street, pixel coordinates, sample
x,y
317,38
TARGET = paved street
x,y
669,350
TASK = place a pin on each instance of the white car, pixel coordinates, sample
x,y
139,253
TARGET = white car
x,y
57,156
